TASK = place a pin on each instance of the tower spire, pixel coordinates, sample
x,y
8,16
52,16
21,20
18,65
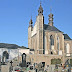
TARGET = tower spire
x,y
50,17
40,10
50,9
40,2
31,22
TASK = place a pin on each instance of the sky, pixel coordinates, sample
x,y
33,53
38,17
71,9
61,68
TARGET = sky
x,y
16,14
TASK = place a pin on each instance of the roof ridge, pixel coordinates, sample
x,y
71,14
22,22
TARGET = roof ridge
x,y
51,28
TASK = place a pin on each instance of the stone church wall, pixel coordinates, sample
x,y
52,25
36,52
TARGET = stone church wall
x,y
55,35
44,58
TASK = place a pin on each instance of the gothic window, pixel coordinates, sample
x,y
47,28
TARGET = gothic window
x,y
51,40
45,45
6,54
58,39
67,48
51,43
58,44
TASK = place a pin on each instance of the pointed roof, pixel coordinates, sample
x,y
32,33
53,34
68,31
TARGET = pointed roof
x,y
51,28
31,22
40,10
66,37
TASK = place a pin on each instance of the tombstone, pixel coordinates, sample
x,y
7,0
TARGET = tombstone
x,y
35,64
56,66
51,68
69,70
23,60
67,62
60,69
11,63
11,67
31,67
46,69
36,70
4,68
43,64
28,63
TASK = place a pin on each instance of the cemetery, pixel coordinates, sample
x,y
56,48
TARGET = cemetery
x,y
24,66
49,49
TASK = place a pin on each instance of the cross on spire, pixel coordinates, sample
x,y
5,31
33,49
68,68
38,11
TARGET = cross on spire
x,y
31,17
40,2
40,10
50,9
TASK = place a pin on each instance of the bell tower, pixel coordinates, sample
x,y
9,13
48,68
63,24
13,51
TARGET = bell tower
x,y
40,25
51,19
30,28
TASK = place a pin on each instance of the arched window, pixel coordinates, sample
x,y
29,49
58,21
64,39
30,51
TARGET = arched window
x,y
58,44
45,49
51,40
67,48
51,43
6,54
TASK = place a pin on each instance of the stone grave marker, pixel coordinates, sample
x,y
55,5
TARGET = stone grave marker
x,y
23,64
4,68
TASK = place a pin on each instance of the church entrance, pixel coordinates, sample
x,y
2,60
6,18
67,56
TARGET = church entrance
x,y
51,53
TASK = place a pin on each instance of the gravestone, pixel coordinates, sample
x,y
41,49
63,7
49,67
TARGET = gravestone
x,y
60,69
11,67
69,66
23,60
51,68
69,70
43,64
4,68
67,62
56,66
28,63
46,69
11,63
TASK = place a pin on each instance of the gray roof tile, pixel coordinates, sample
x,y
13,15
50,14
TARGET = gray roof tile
x,y
51,28
67,37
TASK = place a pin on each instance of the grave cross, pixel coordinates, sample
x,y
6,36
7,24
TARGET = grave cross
x,y
11,63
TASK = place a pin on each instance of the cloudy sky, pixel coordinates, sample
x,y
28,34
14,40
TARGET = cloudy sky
x,y
15,16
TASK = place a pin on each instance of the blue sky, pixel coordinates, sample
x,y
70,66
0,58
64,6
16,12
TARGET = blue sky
x,y
15,16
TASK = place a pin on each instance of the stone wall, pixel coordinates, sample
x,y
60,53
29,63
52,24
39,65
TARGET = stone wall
x,y
55,35
44,58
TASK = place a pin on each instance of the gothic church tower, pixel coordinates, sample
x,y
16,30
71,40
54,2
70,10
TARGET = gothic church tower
x,y
47,40
35,34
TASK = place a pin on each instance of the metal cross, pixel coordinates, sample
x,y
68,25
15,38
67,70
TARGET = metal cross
x,y
11,63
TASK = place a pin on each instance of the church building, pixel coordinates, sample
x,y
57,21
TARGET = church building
x,y
48,42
